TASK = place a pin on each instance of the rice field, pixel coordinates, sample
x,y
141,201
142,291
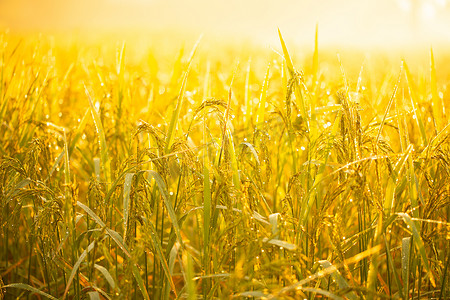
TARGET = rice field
x,y
157,170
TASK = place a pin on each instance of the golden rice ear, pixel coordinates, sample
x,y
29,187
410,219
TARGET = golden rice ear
x,y
148,172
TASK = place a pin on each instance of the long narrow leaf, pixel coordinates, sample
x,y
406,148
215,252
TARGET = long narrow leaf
x,y
107,275
436,102
234,163
30,288
292,72
176,113
337,277
113,234
140,282
160,254
392,267
415,102
101,138
260,114
419,245
206,207
76,266
126,202
167,202
406,267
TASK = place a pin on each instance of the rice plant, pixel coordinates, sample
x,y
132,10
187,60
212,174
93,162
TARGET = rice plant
x,y
132,174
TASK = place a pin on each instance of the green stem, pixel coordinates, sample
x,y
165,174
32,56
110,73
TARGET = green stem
x,y
444,278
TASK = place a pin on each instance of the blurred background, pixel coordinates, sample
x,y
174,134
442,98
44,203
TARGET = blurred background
x,y
350,22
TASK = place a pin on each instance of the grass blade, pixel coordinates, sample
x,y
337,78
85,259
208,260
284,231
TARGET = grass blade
x,y
392,181
252,149
248,98
406,263
113,234
444,280
189,268
94,295
337,277
140,282
323,292
76,266
436,103
419,245
102,139
167,202
126,202
256,294
120,74
172,258
234,163
176,113
388,108
311,197
392,267
160,254
293,73
206,207
30,288
315,66
279,243
107,275
273,220
415,102
260,114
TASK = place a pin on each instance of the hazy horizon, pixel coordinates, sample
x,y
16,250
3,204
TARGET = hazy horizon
x,y
352,22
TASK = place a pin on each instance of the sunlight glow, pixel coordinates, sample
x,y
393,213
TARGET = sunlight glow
x,y
405,5
351,22
428,11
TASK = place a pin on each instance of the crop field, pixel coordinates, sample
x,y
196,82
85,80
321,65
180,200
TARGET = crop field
x,y
157,170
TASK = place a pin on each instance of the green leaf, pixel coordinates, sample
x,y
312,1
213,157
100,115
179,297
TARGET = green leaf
x,y
419,244
101,138
388,108
311,197
234,163
113,234
257,294
415,102
315,66
392,267
406,262
280,243
292,72
337,277
76,266
247,97
168,203
273,220
11,193
252,149
176,113
323,292
107,275
94,295
126,202
436,102
27,287
389,199
160,254
189,280
260,114
206,208
140,282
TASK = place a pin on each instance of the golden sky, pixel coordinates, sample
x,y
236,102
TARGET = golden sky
x,y
353,22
